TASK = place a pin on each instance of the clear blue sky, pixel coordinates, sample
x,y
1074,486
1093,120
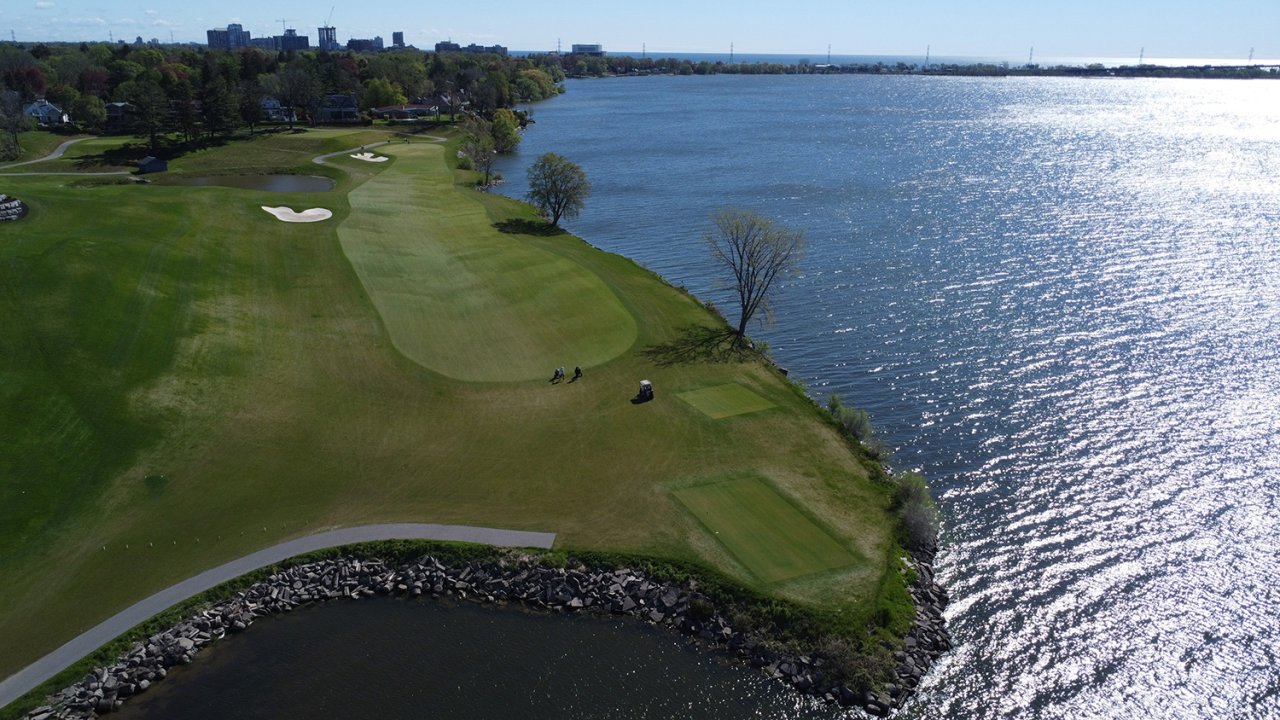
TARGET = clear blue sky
x,y
985,28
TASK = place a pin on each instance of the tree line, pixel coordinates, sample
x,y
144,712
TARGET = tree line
x,y
192,91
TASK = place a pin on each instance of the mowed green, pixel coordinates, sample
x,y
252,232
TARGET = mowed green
x,y
763,530
464,299
726,400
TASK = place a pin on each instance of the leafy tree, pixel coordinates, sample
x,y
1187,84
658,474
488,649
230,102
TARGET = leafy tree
x,y
219,107
403,68
534,84
94,80
503,129
756,252
298,89
380,92
558,187
250,96
150,108
89,112
27,80
185,113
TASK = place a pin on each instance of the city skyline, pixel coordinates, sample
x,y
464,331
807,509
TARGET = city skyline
x,y
995,28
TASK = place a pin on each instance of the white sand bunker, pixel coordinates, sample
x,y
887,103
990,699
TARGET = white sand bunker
x,y
370,157
288,215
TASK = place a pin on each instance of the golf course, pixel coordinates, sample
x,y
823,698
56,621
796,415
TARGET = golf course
x,y
186,379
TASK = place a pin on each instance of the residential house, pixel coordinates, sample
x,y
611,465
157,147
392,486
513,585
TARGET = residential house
x,y
339,109
46,114
118,117
273,111
406,112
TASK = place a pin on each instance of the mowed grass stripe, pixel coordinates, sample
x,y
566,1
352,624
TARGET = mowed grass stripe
x,y
764,531
464,299
724,401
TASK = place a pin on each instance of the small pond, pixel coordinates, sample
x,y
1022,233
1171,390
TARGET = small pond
x,y
270,183
384,658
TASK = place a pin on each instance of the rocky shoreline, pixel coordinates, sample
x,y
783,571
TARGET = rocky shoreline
x,y
513,578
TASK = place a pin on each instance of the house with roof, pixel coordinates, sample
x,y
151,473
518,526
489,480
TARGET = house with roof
x,y
46,114
273,111
416,111
340,108
118,117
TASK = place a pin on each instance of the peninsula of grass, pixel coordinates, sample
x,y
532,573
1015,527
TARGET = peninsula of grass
x,y
184,379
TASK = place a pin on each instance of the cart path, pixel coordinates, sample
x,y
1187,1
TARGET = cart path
x,y
21,682
320,159
57,153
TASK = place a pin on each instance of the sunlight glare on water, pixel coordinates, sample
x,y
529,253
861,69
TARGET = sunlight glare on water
x,y
1058,298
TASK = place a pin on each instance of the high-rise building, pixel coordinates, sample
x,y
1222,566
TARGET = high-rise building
x,y
365,45
328,38
234,36
397,39
291,40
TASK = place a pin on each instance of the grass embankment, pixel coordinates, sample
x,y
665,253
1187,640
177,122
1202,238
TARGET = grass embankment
x,y
36,144
186,379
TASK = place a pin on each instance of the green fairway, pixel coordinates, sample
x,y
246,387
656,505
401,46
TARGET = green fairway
x,y
763,530
726,400
387,365
464,299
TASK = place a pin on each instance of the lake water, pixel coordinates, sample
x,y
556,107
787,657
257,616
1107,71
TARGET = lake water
x,y
1058,298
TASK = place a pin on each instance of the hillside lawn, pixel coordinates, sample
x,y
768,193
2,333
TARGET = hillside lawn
x,y
184,379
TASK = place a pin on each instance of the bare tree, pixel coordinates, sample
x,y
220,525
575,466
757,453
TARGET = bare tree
x,y
12,122
756,252
479,148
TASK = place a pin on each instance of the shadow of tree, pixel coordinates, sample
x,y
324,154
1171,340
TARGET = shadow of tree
x,y
528,227
114,157
698,343
131,153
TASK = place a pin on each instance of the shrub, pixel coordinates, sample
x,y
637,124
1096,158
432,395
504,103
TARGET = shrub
x,y
916,510
856,422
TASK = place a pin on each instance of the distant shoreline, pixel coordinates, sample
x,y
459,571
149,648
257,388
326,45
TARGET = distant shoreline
x,y
695,64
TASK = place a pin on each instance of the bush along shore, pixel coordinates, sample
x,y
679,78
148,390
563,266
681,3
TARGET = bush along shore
x,y
532,581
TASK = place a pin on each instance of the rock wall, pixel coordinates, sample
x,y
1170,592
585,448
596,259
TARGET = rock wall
x,y
514,578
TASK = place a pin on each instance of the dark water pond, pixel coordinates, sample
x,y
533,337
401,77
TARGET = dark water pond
x,y
385,658
270,183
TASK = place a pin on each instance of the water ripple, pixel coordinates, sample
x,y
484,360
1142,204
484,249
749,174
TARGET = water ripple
x,y
1061,300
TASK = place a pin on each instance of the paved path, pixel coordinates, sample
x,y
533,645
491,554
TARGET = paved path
x,y
69,174
57,153
46,667
320,159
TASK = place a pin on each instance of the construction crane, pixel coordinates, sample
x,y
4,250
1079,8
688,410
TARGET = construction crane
x,y
328,22
282,24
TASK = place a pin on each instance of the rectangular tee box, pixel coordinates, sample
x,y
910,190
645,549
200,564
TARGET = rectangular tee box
x,y
764,530
722,401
